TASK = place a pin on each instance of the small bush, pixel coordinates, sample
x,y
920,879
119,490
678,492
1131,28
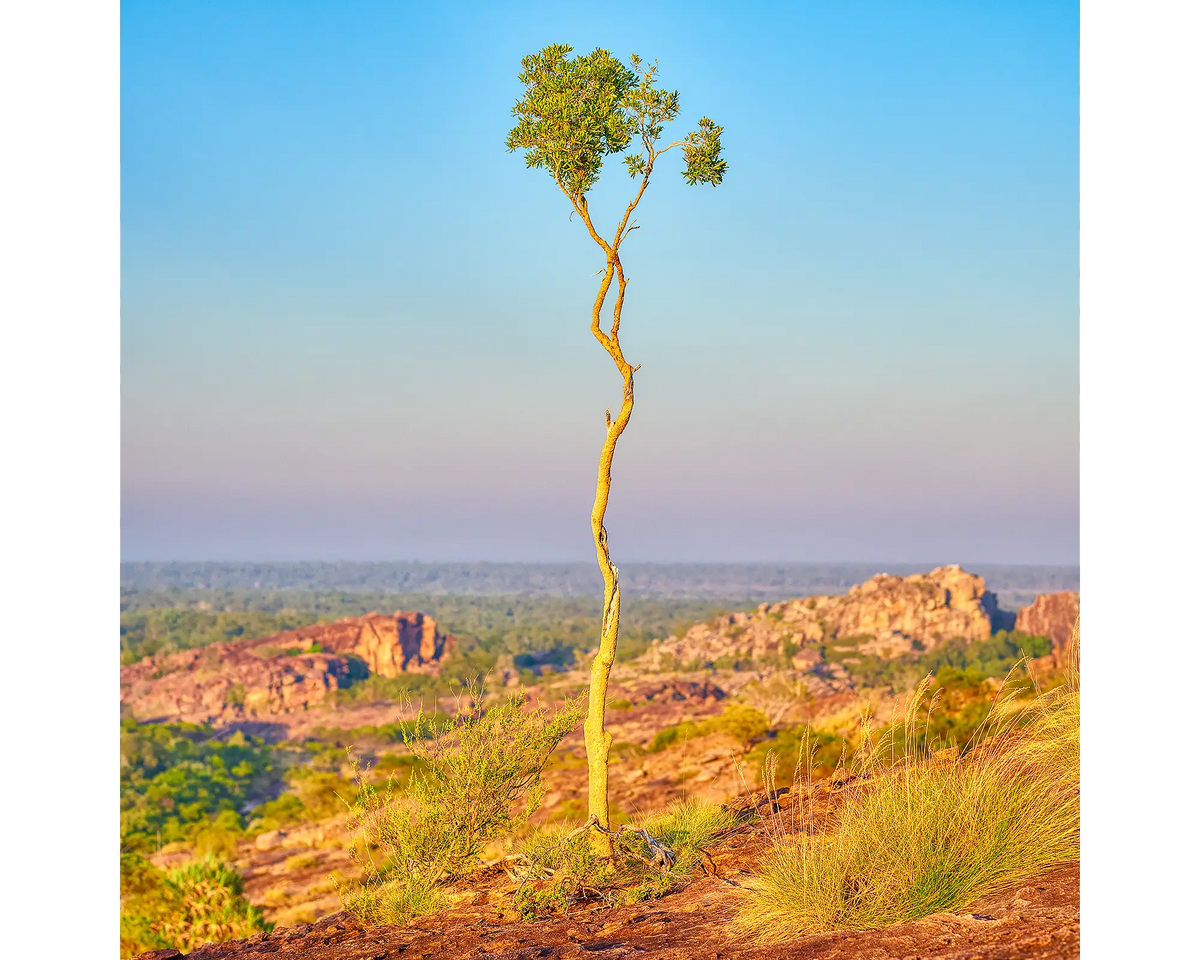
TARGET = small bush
x,y
218,839
198,903
481,780
560,861
743,722
559,867
687,826
300,861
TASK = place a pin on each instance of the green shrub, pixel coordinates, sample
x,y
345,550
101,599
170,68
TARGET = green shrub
x,y
560,861
481,779
218,838
993,657
744,722
409,687
559,867
198,903
323,793
285,809
686,827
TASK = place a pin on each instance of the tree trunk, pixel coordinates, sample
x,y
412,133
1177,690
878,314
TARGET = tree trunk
x,y
596,739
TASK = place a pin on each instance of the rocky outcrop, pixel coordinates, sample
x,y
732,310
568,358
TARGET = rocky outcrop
x,y
225,683
283,673
678,691
889,615
1052,615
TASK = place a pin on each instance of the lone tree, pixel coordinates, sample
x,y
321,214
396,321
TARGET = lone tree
x,y
575,112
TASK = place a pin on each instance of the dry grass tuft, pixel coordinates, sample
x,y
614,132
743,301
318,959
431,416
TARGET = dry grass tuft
x,y
923,831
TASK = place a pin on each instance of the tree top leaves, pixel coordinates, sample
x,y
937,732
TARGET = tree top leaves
x,y
575,111
702,154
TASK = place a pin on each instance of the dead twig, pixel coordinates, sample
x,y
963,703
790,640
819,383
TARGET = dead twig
x,y
662,855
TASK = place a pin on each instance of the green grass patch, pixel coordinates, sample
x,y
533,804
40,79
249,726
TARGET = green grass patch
x,y
743,722
559,867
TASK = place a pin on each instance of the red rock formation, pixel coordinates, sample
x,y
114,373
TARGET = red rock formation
x,y
897,614
401,643
1052,615
267,676
226,682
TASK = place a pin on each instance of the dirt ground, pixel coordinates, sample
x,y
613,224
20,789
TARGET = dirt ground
x,y
1038,918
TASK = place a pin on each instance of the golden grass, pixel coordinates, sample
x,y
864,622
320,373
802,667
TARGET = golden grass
x,y
300,861
923,832
275,897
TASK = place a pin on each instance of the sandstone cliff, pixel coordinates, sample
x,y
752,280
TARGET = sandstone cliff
x,y
282,673
222,682
894,615
401,643
1052,615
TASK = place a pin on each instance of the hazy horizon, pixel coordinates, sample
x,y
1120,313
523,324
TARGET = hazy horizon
x,y
1015,585
354,326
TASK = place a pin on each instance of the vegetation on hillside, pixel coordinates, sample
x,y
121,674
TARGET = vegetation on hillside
x,y
177,778
201,791
923,831
480,779
557,868
993,657
201,902
488,627
150,631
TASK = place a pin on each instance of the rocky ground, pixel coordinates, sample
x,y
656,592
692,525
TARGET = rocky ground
x,y
287,872
1038,918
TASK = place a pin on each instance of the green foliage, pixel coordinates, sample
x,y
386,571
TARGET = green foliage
x,y
686,827
576,111
401,731
407,687
573,114
564,868
284,809
323,793
486,626
743,722
146,895
163,631
218,837
177,777
480,780
199,903
993,657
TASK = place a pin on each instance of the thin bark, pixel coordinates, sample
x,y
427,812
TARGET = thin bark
x,y
597,740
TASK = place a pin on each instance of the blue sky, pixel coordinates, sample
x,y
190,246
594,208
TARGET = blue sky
x,y
354,327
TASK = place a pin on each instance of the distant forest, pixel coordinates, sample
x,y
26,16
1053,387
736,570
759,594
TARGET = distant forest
x,y
1014,585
